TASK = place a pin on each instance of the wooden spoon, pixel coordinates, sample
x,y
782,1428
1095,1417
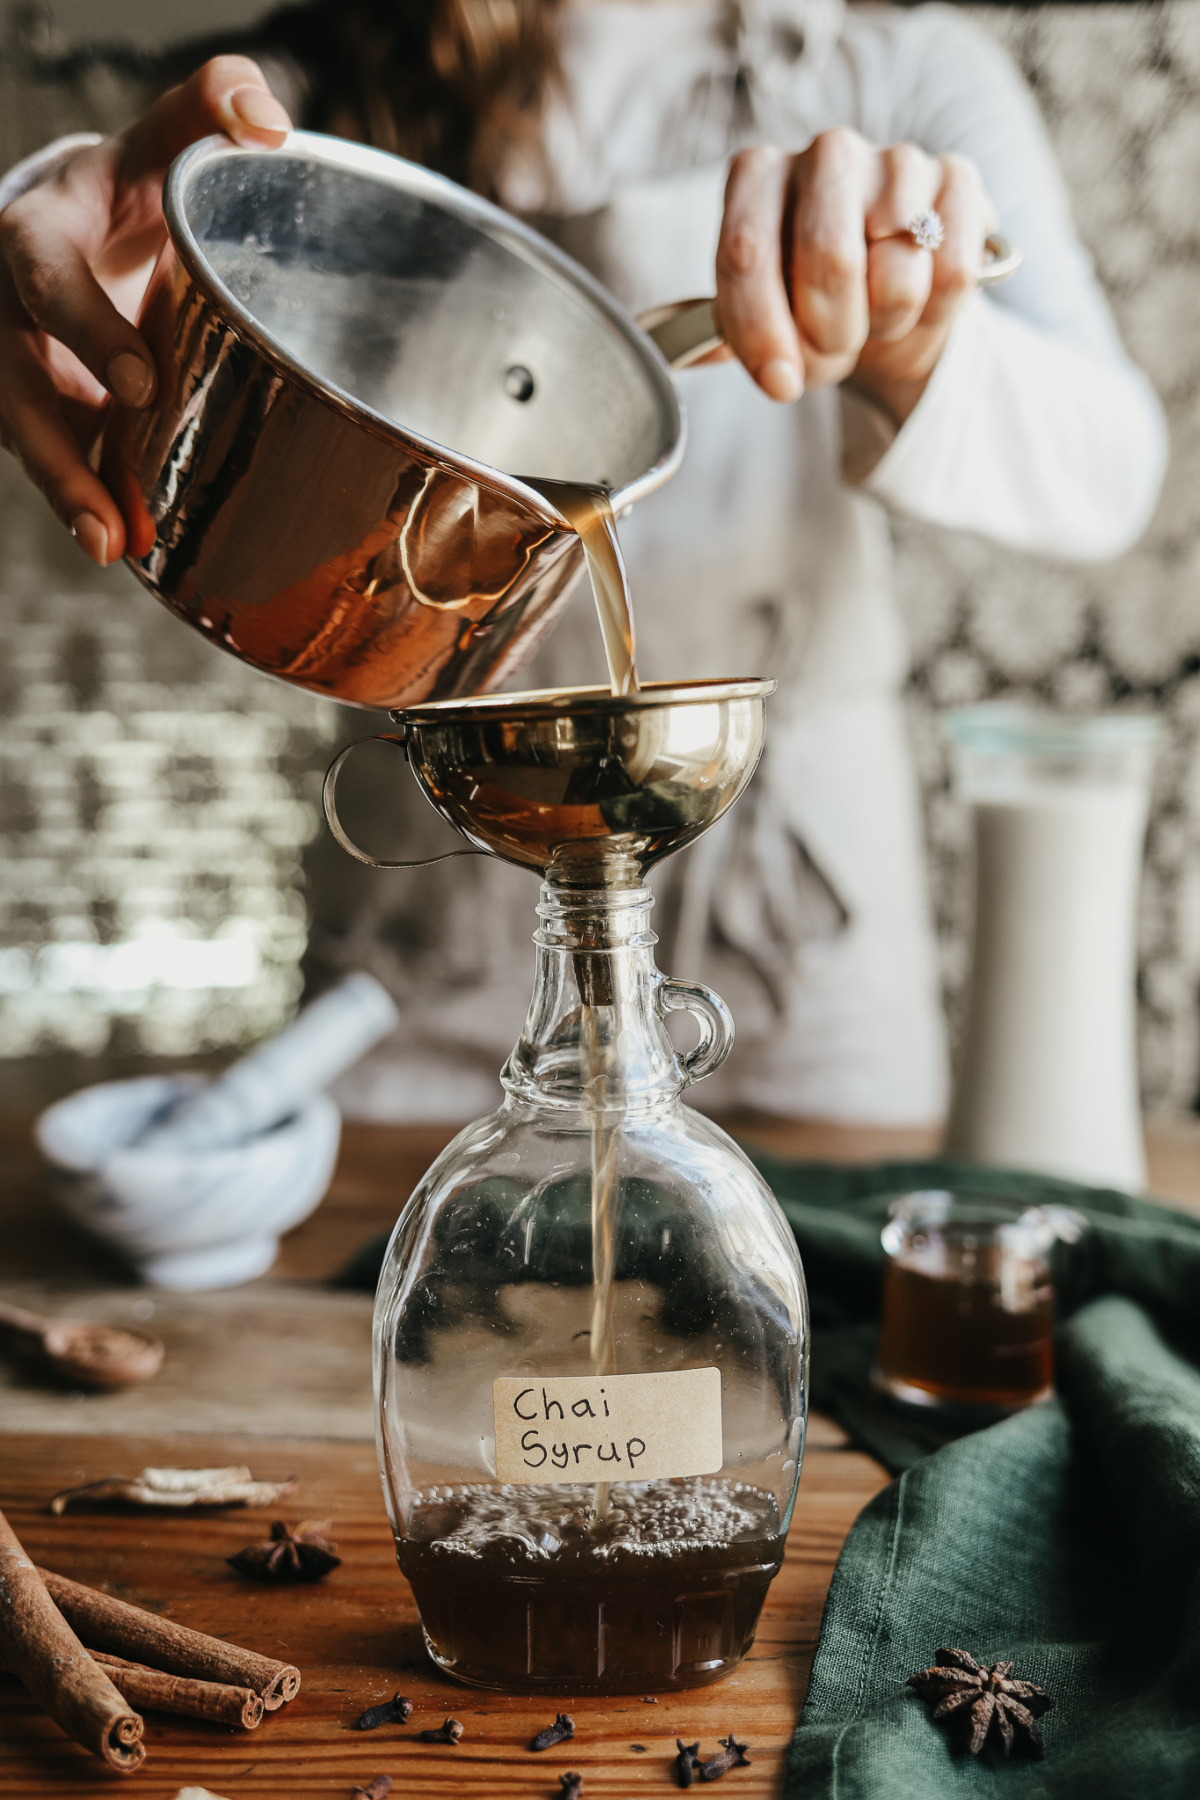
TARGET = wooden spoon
x,y
100,1356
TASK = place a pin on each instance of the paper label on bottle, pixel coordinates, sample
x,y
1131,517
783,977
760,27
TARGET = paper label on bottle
x,y
607,1427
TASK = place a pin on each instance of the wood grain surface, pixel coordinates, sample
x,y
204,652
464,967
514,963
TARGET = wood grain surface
x,y
277,1374
356,1638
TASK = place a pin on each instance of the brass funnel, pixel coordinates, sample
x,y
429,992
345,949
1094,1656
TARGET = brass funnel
x,y
587,788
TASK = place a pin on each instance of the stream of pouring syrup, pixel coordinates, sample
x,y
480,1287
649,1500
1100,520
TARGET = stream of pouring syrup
x,y
587,508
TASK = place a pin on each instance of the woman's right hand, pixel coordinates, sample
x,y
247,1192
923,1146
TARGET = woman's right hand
x,y
76,252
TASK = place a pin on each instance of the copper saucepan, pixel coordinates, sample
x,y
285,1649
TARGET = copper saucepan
x,y
360,365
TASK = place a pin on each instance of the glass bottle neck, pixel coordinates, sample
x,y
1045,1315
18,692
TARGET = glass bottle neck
x,y
593,1039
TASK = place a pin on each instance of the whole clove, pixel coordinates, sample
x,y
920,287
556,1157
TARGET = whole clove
x,y
562,1729
389,1712
731,1755
447,1733
301,1553
572,1785
378,1789
687,1762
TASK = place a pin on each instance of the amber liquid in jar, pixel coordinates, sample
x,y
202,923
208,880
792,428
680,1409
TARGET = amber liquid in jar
x,y
974,1327
525,1588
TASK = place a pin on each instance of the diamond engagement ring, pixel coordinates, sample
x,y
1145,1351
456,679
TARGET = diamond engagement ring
x,y
926,229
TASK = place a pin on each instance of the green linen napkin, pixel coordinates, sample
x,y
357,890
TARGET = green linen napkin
x,y
1065,1540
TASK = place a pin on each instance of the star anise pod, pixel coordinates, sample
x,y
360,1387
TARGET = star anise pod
x,y
303,1553
987,1701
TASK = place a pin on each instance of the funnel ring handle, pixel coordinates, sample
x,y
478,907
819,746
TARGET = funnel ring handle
x,y
329,802
712,1015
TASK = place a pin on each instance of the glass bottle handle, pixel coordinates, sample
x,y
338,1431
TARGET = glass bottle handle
x,y
712,1015
329,802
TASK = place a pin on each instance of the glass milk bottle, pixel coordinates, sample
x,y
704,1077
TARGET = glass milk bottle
x,y
1047,1069
591,1343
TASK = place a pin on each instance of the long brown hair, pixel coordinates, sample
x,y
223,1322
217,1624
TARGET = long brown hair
x,y
454,84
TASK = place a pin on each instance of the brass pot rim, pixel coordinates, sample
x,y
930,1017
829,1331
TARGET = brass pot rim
x,y
540,703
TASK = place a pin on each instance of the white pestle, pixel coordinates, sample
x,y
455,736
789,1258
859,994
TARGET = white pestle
x,y
275,1080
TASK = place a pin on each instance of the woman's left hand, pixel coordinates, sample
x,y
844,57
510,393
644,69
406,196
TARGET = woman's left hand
x,y
820,280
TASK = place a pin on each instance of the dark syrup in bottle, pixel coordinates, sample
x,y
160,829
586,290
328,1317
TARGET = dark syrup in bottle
x,y
525,1588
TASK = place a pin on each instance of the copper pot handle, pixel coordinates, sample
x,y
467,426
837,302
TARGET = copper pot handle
x,y
329,802
687,330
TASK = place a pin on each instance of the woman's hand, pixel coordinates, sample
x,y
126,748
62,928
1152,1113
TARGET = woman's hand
x,y
75,255
819,279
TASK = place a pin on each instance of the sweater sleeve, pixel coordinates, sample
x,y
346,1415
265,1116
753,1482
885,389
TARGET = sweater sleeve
x,y
1035,428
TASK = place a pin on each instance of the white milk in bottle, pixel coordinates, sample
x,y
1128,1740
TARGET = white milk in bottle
x,y
1047,1068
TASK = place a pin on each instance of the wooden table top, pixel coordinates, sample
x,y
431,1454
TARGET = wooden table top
x,y
276,1374
356,1639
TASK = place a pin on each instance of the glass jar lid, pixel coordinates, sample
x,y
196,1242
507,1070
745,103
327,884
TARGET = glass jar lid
x,y
1008,727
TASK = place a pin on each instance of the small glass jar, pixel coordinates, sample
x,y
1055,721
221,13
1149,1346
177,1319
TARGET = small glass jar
x,y
968,1300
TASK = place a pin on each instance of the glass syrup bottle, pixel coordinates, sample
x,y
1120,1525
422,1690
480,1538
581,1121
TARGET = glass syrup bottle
x,y
591,1345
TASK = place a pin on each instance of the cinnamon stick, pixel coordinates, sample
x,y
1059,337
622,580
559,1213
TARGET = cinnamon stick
x,y
105,1623
38,1645
180,1694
